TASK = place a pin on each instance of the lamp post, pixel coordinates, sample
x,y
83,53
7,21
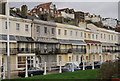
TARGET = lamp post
x,y
8,40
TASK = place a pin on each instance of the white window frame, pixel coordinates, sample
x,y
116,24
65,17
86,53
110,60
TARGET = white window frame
x,y
17,26
26,27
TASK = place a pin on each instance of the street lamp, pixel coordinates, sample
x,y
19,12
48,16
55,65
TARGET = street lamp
x,y
8,40
7,13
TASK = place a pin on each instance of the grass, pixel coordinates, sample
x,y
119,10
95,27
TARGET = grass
x,y
86,74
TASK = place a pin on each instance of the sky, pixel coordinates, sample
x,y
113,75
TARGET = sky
x,y
106,8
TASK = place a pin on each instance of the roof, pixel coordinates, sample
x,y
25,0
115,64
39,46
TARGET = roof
x,y
15,15
91,41
19,16
117,29
63,9
45,5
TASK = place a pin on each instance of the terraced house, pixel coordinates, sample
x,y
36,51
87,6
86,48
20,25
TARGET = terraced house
x,y
21,42
48,41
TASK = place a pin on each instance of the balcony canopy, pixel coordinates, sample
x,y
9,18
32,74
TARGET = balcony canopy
x,y
73,42
91,41
24,39
46,40
3,38
108,44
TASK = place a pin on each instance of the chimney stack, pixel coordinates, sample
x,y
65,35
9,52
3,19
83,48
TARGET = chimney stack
x,y
24,10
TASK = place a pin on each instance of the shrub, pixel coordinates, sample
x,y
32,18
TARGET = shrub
x,y
110,69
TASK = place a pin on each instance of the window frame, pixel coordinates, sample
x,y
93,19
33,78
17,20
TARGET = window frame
x,y
26,27
45,30
17,26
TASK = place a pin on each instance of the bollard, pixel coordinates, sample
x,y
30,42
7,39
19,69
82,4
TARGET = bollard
x,y
45,68
93,65
60,71
26,70
3,71
72,67
83,65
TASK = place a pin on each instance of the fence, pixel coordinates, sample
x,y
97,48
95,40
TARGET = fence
x,y
27,69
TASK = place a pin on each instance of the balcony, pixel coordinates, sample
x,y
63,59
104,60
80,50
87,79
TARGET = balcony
x,y
25,50
12,51
60,51
79,51
94,51
52,51
110,51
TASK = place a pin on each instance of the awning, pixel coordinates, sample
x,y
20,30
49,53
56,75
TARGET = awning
x,y
3,38
46,40
24,39
78,42
108,44
64,41
73,42
91,41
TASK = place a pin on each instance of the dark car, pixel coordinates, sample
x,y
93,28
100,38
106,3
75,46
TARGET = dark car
x,y
86,64
97,64
33,71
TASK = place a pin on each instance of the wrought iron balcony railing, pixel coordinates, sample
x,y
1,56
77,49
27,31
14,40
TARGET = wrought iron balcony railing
x,y
25,50
41,51
78,50
110,51
60,51
12,51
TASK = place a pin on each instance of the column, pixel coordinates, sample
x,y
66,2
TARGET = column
x,y
45,68
98,48
26,70
34,61
90,48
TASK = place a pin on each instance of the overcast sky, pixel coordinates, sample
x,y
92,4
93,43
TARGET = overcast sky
x,y
105,9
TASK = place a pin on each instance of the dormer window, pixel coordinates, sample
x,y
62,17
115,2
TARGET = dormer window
x,y
44,9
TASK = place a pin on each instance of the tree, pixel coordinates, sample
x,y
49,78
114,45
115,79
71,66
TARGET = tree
x,y
110,69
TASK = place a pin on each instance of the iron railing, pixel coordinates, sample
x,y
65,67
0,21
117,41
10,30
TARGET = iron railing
x,y
41,51
110,51
12,51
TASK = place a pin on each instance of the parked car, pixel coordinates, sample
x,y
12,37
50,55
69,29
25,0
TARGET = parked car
x,y
31,72
86,64
69,66
97,64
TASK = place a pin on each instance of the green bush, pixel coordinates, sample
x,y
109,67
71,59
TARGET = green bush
x,y
110,69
